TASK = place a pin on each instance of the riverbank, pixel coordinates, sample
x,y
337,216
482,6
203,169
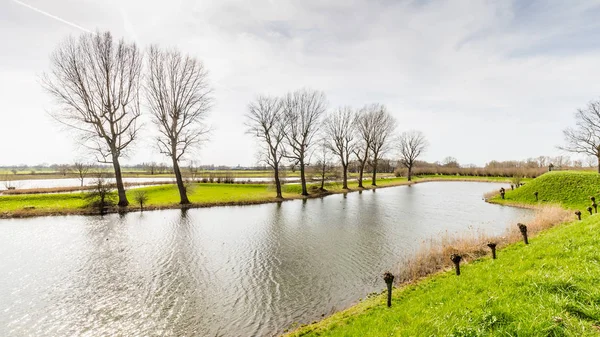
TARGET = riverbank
x,y
548,287
200,194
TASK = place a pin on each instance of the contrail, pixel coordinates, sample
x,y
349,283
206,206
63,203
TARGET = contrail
x,y
52,16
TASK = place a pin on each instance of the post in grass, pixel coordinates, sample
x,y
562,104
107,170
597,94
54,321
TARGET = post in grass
x,y
389,280
578,213
456,260
492,246
523,230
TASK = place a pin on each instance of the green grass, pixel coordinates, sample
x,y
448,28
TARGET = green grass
x,y
157,196
570,189
548,288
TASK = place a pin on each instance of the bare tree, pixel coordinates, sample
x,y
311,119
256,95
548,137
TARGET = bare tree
x,y
265,121
179,98
81,169
585,136
341,137
302,115
323,162
95,81
364,130
411,145
193,170
383,125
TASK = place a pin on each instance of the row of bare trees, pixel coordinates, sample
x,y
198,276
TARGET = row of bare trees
x,y
289,127
99,85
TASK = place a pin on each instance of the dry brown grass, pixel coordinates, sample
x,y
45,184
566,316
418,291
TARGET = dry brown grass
x,y
434,255
489,195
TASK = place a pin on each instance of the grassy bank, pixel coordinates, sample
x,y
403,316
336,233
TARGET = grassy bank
x,y
167,196
546,288
200,194
570,189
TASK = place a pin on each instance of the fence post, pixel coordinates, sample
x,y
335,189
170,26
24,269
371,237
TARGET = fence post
x,y
389,280
523,230
456,259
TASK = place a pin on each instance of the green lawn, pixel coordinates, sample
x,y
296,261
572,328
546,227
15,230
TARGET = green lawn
x,y
570,189
548,288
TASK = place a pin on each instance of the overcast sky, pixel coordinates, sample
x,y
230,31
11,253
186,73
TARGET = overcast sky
x,y
482,79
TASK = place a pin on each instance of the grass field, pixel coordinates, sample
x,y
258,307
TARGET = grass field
x,y
546,288
569,189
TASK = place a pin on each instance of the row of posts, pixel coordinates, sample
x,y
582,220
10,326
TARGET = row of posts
x,y
456,259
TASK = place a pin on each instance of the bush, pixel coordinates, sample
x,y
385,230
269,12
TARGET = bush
x,y
140,197
101,196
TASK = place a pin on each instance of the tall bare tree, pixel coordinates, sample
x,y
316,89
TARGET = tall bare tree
x,y
265,121
585,136
364,131
383,125
81,169
341,137
302,115
96,81
411,145
179,98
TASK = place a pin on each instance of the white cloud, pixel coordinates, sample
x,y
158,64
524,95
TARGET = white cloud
x,y
483,80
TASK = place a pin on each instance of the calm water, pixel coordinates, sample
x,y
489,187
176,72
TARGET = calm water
x,y
225,271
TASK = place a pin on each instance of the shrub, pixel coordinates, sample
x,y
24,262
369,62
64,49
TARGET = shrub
x,y
140,197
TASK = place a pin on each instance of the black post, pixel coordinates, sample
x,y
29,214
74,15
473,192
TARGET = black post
x,y
456,259
492,246
589,209
595,205
536,195
502,191
512,187
389,280
578,213
523,230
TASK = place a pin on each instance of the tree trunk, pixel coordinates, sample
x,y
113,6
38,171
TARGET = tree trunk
x,y
360,174
323,168
409,172
345,183
180,186
303,178
277,182
598,163
374,180
119,180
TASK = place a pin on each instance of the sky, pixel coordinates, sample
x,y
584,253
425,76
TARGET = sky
x,y
483,80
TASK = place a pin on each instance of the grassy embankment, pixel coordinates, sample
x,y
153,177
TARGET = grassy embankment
x,y
166,196
547,288
201,195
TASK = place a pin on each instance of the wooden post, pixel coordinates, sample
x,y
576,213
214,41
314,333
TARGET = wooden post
x,y
456,259
523,230
492,246
389,280
578,213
